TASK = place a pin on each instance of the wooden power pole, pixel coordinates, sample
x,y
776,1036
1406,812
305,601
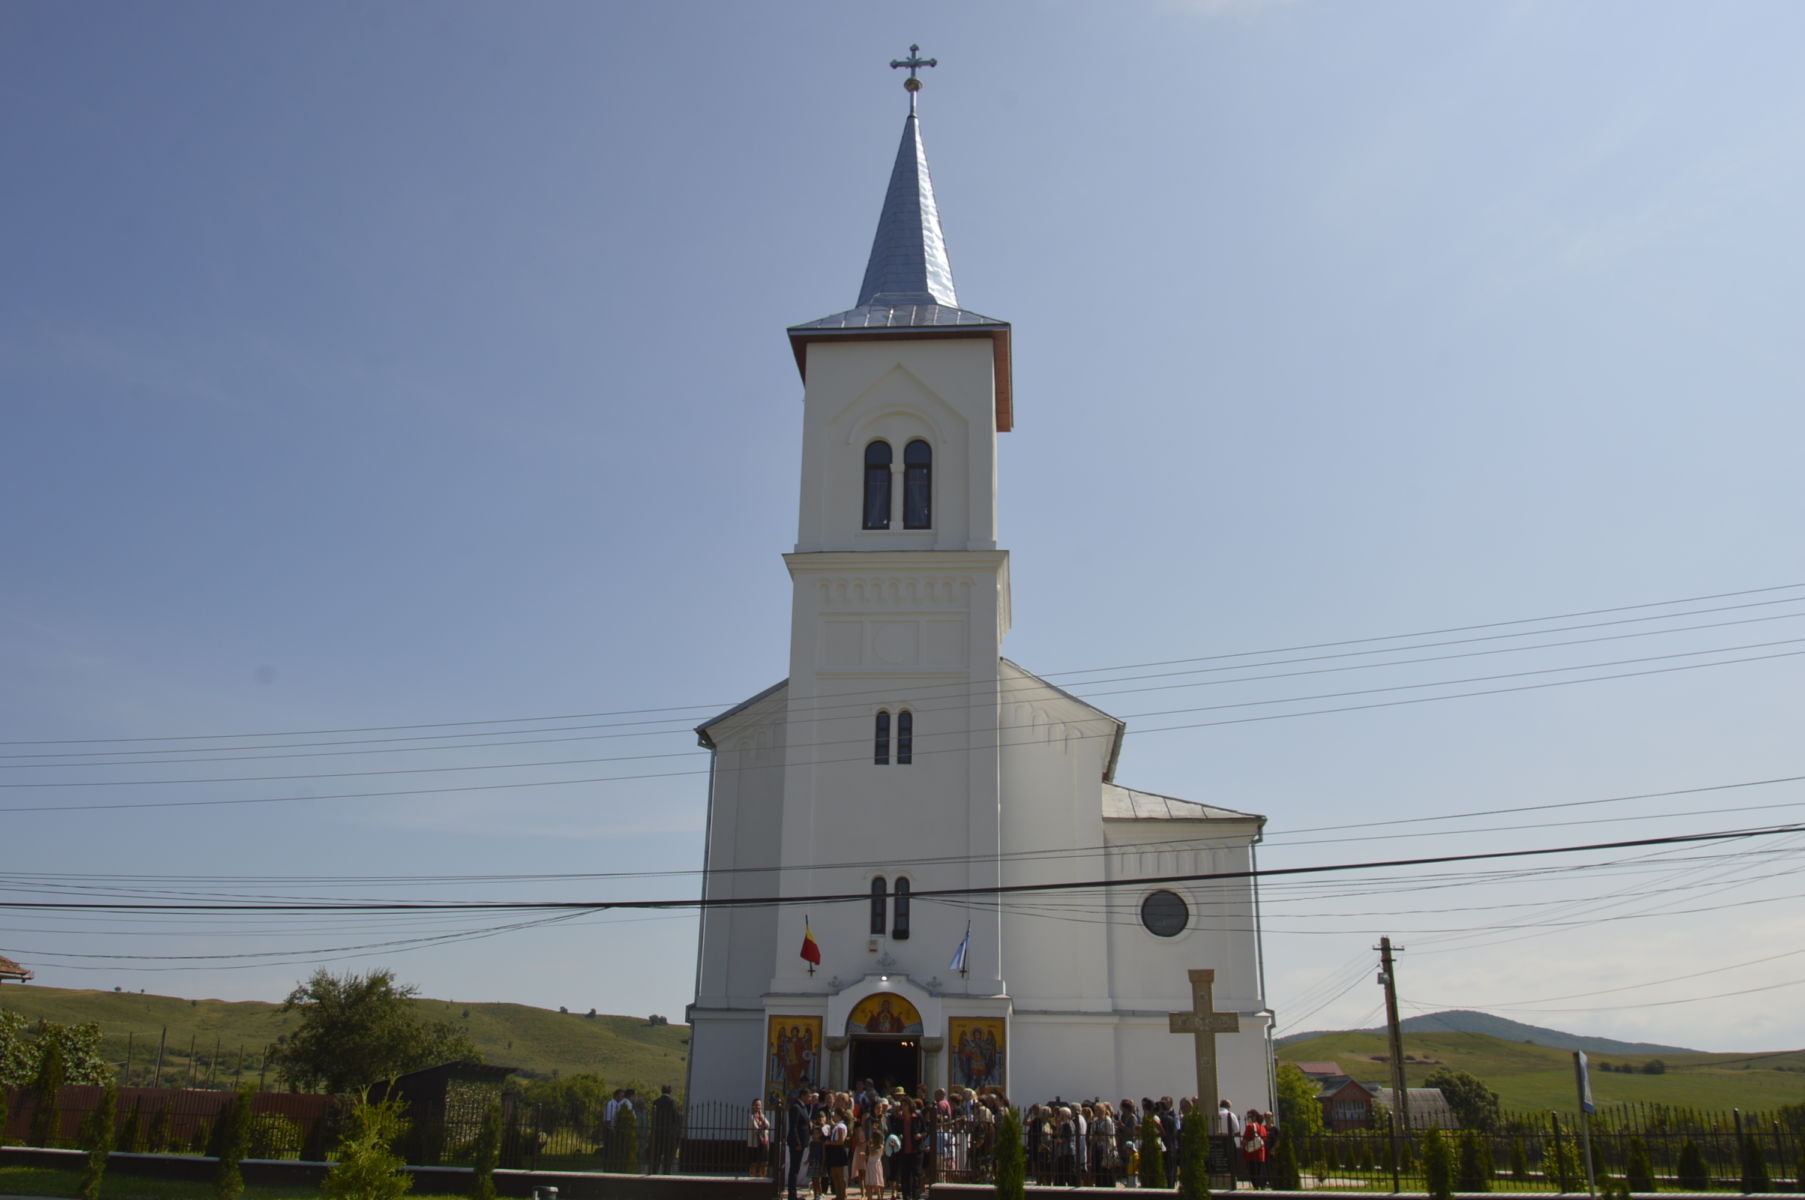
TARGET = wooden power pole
x,y
1400,1094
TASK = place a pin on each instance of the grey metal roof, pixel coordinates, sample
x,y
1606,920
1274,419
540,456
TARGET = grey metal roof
x,y
908,279
1126,804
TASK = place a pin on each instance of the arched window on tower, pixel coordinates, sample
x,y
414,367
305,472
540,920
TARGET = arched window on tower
x,y
900,930
877,485
905,737
881,750
918,485
880,902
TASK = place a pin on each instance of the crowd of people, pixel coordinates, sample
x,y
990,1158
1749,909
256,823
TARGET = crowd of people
x,y
889,1146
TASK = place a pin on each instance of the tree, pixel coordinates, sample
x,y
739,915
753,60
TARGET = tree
x,y
367,1169
1474,1170
623,1146
234,1144
97,1133
485,1152
1473,1104
1299,1112
1194,1158
359,1030
1690,1170
44,1091
1638,1167
1438,1166
1012,1167
1153,1154
1282,1170
77,1047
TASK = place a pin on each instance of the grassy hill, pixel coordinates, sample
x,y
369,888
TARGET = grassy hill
x,y
1536,1077
536,1040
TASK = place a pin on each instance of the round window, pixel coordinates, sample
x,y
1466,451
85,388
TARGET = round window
x,y
1165,914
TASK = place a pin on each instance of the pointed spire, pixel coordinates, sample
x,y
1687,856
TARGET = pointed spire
x,y
908,262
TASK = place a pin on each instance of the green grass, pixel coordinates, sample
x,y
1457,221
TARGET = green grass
x,y
1529,1077
538,1041
43,1181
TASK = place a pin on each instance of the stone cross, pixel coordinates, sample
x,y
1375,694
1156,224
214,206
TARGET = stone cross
x,y
1204,1024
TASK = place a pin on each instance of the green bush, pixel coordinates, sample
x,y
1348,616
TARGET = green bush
x,y
1693,1177
1474,1172
485,1152
98,1130
234,1143
1438,1166
161,1138
1561,1166
1012,1166
623,1147
1194,1159
1638,1168
367,1169
1519,1160
1281,1160
1754,1167
44,1091
1153,1154
274,1136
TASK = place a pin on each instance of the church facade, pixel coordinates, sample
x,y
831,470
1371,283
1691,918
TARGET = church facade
x,y
938,826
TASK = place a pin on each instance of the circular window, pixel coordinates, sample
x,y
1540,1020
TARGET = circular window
x,y
1165,914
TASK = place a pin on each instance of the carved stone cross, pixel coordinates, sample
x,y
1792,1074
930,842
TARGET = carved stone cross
x,y
1203,1023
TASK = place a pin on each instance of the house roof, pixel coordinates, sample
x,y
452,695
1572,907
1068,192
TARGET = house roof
x,y
1126,804
12,970
1319,1068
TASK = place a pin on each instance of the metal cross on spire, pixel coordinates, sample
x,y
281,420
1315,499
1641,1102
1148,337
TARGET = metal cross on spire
x,y
914,62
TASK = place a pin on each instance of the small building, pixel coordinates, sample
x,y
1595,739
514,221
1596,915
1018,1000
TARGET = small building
x,y
1429,1109
1347,1104
13,971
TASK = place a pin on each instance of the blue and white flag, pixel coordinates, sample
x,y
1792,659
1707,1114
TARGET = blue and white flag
x,y
958,963
1584,1079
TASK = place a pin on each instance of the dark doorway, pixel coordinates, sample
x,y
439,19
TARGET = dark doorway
x,y
888,1062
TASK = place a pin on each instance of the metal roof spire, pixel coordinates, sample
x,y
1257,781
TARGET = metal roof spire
x,y
908,263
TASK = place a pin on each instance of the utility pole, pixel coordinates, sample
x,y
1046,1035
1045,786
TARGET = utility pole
x,y
1388,978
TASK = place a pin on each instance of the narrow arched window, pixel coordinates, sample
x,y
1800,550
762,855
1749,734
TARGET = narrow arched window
x,y
905,737
918,485
900,930
881,751
880,901
877,485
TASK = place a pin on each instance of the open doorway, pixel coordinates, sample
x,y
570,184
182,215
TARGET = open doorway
x,y
889,1062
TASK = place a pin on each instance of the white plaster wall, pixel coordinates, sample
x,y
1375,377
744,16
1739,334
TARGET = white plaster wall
x,y
942,390
726,1057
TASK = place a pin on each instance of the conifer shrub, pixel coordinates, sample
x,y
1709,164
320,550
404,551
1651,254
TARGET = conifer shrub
x,y
1153,1155
623,1149
202,1139
1366,1154
1638,1167
1690,1170
367,1167
1473,1172
98,1130
6,1112
1519,1160
274,1136
161,1138
1194,1159
132,1134
1012,1160
1561,1166
1282,1168
1438,1166
485,1152
45,1089
234,1146
1755,1177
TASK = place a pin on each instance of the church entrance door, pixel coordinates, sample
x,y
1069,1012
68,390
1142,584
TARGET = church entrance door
x,y
889,1062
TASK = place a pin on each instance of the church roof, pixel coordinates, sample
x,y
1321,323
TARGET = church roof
x,y
908,285
1126,804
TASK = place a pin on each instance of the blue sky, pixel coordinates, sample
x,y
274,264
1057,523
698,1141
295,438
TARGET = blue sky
x,y
423,365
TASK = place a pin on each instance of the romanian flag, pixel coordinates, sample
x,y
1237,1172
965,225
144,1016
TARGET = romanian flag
x,y
811,949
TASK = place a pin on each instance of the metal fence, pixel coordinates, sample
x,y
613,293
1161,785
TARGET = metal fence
x,y
1685,1149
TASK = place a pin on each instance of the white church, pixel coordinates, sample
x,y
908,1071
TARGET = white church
x,y
909,800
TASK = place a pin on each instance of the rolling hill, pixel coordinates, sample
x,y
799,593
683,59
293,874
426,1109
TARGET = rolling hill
x,y
537,1041
1468,1021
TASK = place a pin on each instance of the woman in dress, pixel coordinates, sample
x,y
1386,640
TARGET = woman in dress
x,y
1103,1147
758,1141
1253,1147
838,1154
